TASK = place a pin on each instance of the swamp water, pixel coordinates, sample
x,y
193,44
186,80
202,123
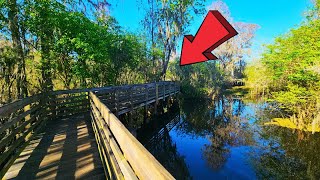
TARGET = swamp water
x,y
226,139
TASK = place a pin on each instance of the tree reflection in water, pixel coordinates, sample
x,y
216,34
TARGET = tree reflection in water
x,y
288,154
221,123
205,134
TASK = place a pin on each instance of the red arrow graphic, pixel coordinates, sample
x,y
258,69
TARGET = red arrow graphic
x,y
214,31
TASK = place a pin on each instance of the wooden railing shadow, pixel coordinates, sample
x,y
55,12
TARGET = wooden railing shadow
x,y
30,168
66,147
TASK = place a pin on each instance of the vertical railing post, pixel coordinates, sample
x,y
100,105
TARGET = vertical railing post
x,y
116,101
157,98
88,100
157,92
27,118
130,91
146,103
131,99
164,91
146,95
173,88
52,106
170,89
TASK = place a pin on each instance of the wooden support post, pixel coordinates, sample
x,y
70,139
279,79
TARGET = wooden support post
x,y
170,89
157,99
157,93
131,99
27,118
164,92
145,115
88,100
52,105
175,88
116,102
131,91
146,94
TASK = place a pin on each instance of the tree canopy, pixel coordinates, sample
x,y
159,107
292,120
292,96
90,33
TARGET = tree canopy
x,y
50,44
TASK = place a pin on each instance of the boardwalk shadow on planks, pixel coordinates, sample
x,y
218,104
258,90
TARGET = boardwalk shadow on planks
x,y
65,149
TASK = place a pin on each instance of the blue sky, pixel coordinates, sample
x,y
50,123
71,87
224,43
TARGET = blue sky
x,y
275,17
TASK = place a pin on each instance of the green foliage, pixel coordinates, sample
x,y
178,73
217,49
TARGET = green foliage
x,y
257,83
290,69
65,48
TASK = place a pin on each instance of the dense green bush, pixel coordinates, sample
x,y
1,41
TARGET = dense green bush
x,y
291,73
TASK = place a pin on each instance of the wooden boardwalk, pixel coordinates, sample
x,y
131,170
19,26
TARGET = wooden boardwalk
x,y
65,149
45,137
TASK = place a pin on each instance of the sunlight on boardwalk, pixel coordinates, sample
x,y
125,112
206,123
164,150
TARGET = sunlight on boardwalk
x,y
65,149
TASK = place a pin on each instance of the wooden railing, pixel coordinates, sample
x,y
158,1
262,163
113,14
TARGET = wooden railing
x,y
237,82
21,119
18,120
123,99
121,153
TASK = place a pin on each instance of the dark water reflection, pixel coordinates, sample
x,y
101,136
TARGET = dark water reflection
x,y
224,139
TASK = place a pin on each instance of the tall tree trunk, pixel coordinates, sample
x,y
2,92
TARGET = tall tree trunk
x,y
8,84
46,43
165,64
152,34
16,43
47,84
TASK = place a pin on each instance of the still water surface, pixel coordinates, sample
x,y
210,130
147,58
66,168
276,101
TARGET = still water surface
x,y
226,139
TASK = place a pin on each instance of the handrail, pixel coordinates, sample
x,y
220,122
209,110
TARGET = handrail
x,y
18,120
142,162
